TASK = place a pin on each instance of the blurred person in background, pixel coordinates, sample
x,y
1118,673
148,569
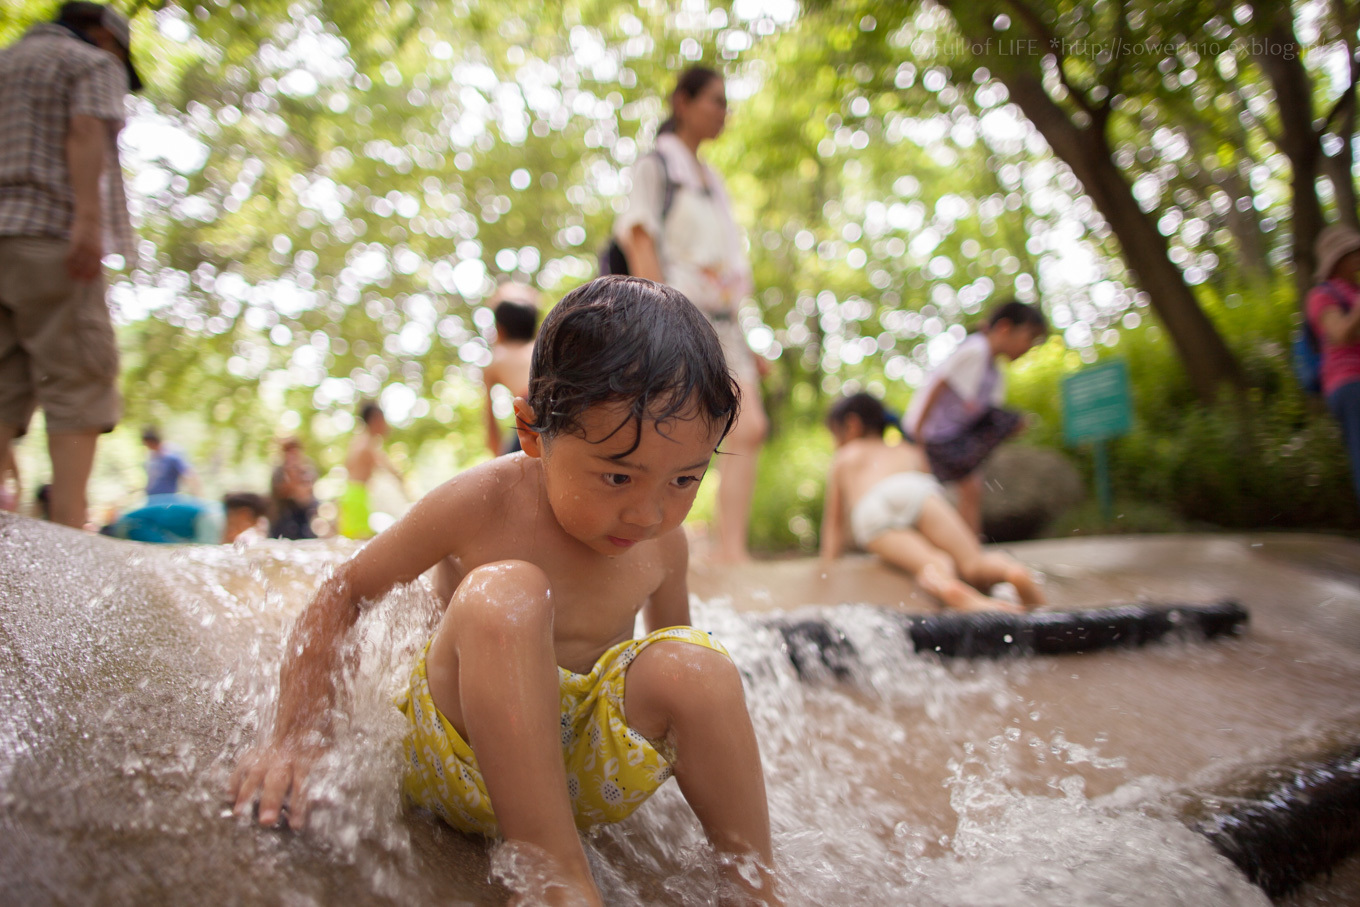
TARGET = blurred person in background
x,y
166,467
957,417
678,229
294,503
365,456
62,208
179,519
10,486
516,310
246,514
1334,319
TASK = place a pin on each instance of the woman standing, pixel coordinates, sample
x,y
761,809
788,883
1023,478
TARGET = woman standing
x,y
1334,317
678,229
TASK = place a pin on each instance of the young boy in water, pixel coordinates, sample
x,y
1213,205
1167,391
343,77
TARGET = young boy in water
x,y
533,710
896,509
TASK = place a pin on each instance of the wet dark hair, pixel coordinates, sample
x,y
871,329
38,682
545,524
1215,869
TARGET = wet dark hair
x,y
369,410
1020,315
245,500
872,414
629,340
691,82
516,320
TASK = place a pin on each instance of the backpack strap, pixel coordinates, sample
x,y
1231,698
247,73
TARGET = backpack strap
x,y
668,185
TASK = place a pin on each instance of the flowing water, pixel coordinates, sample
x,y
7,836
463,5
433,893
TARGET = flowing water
x,y
132,676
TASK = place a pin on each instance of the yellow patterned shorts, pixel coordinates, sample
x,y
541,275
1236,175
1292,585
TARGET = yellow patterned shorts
x,y
611,769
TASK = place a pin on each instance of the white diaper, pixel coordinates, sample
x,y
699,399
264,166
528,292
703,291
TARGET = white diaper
x,y
894,503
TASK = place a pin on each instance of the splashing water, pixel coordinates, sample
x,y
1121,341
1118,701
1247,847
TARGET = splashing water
x,y
131,678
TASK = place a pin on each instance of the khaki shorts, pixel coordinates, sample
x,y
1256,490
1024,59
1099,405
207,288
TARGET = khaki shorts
x,y
57,348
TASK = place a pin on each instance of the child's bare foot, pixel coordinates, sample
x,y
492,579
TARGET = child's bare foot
x,y
535,878
959,596
747,883
974,601
1026,584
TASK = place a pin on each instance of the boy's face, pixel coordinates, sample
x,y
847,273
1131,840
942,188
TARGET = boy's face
x,y
239,519
1015,341
610,502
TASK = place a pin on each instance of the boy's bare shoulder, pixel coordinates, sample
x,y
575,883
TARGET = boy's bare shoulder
x,y
488,488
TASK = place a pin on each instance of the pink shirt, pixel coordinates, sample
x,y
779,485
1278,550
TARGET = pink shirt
x,y
1340,364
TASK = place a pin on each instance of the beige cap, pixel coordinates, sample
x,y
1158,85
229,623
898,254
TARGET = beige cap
x,y
1333,244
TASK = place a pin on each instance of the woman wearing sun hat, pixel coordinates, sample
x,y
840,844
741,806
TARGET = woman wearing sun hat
x,y
1334,317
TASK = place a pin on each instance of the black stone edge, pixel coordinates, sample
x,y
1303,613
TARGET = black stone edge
x,y
814,645
1296,827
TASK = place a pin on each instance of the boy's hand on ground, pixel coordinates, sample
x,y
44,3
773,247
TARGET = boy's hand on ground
x,y
275,776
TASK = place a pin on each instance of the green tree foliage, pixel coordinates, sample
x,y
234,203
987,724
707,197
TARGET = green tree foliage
x,y
329,190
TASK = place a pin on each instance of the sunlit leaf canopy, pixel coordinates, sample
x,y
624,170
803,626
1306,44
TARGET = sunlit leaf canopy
x,y
328,192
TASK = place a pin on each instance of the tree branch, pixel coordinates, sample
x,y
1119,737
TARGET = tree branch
x,y
1055,45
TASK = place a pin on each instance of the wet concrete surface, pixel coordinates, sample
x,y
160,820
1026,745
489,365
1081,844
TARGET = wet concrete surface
x,y
126,678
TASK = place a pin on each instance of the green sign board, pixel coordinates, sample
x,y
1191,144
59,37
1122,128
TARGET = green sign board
x,y
1096,403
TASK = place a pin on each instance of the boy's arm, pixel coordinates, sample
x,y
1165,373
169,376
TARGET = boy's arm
x,y
86,151
833,521
932,397
309,676
640,250
962,372
381,458
669,604
493,429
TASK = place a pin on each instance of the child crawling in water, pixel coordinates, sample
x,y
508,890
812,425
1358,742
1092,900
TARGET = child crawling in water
x,y
533,711
896,509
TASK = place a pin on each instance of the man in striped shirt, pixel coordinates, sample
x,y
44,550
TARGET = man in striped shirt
x,y
62,209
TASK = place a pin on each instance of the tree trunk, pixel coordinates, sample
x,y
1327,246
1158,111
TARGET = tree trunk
x,y
1298,139
1340,167
1208,361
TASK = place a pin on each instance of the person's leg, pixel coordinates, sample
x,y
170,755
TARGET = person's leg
x,y
737,476
933,569
692,696
944,528
72,454
7,434
493,674
970,501
1344,403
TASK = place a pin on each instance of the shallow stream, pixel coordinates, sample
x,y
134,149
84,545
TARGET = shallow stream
x,y
131,677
